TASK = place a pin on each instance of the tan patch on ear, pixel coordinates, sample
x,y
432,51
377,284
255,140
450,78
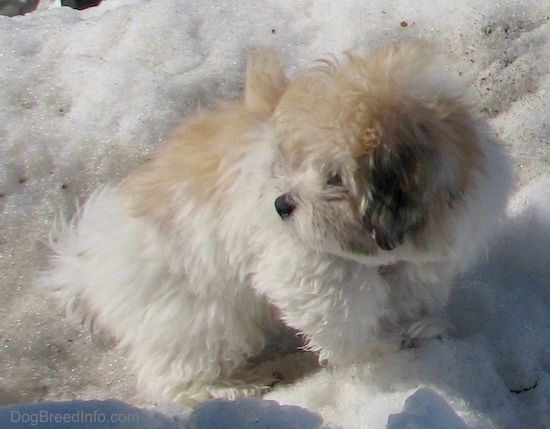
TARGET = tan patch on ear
x,y
265,81
419,143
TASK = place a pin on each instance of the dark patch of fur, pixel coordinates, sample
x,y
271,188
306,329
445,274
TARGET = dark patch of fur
x,y
396,184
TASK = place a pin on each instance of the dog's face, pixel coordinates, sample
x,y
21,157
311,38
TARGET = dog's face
x,y
373,153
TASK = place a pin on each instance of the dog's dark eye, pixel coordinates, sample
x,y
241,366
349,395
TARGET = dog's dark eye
x,y
334,179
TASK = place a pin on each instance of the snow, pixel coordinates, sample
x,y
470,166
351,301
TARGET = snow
x,y
87,95
243,413
85,414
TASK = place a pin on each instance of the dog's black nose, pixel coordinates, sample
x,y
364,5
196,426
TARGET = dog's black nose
x,y
285,205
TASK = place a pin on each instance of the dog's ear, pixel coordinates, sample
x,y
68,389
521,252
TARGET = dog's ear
x,y
397,182
265,81
418,139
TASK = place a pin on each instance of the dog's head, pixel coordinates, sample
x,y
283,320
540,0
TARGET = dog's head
x,y
374,152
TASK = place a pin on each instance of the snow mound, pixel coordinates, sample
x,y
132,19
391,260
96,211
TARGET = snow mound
x,y
243,413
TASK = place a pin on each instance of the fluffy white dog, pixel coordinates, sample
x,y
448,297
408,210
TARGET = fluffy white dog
x,y
339,204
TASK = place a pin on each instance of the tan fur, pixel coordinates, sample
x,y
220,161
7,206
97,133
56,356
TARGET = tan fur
x,y
336,119
342,117
340,204
265,81
195,158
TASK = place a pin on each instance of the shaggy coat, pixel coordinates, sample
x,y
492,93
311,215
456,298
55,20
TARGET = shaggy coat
x,y
340,204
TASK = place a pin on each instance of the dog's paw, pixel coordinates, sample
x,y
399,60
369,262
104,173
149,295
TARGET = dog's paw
x,y
249,382
223,391
424,330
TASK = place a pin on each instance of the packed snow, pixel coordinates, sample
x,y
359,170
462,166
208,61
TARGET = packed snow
x,y
86,95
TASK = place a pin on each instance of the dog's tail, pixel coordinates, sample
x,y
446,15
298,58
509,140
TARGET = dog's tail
x,y
265,81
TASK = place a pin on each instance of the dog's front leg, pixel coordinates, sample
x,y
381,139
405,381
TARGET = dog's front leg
x,y
337,306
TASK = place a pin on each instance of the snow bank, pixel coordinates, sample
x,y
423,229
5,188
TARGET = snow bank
x,y
243,413
85,96
85,414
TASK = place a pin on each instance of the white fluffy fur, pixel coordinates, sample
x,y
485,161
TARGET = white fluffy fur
x,y
192,280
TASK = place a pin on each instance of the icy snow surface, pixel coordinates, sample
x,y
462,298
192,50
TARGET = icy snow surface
x,y
85,96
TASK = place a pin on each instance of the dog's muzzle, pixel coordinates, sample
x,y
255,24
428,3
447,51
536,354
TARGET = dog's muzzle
x,y
285,205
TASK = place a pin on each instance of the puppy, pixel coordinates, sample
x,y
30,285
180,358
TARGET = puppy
x,y
340,205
